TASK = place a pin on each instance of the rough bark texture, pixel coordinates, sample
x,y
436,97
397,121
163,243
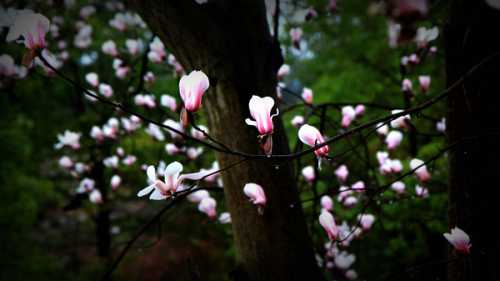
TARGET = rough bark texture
x,y
471,35
231,42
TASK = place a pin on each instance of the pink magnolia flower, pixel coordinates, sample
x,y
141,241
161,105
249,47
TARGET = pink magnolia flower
x,y
414,59
425,82
129,160
65,162
350,201
192,153
312,137
296,35
283,71
421,191
225,218
169,102
31,27
441,125
398,187
173,179
297,121
256,194
406,85
359,110
459,239
348,115
342,173
149,77
358,186
366,221
95,197
307,95
260,110
382,129
111,162
192,87
399,122
393,139
208,206
69,138
326,203
176,125
133,46
421,171
308,173
86,185
172,149
197,134
198,195
115,182
105,90
97,133
109,48
327,221
92,78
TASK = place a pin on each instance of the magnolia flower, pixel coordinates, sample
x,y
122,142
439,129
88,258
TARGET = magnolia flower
x,y
109,48
111,162
459,239
69,138
327,221
256,194
207,206
359,110
382,156
351,274
382,129
197,134
86,185
31,27
225,218
425,82
260,110
344,260
296,34
342,173
192,87
168,102
92,78
172,149
307,95
398,187
312,137
311,13
297,121
424,36
420,170
350,201
358,186
399,122
115,182
406,85
326,203
348,115
154,131
133,46
441,125
149,77
414,59
308,173
105,90
421,191
393,139
192,153
366,221
65,162
95,197
391,166
197,196
163,189
283,71
129,160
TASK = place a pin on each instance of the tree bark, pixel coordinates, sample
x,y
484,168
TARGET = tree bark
x,y
471,34
231,42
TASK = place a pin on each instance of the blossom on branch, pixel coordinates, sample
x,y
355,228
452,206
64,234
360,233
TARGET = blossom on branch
x,y
312,137
459,239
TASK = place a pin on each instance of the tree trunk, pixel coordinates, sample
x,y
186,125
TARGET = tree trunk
x,y
471,35
231,42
